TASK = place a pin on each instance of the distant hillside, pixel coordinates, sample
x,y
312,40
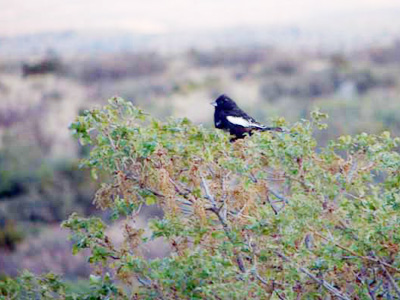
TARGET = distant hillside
x,y
331,32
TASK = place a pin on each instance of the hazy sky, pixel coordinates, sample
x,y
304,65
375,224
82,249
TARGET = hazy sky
x,y
157,16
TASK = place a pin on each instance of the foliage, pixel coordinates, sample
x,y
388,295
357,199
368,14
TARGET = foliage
x,y
271,216
50,286
28,286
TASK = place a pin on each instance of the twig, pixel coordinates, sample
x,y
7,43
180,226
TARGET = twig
x,y
352,196
274,179
350,174
277,195
354,253
272,206
154,192
370,292
137,212
306,186
276,292
221,219
178,188
224,194
325,284
142,281
378,286
253,178
389,277
114,148
111,140
241,210
322,282
159,291
254,259
150,284
279,295
271,203
208,194
227,231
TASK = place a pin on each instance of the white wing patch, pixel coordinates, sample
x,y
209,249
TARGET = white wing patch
x,y
218,123
242,122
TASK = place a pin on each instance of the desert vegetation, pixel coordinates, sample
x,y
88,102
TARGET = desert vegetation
x,y
273,216
42,181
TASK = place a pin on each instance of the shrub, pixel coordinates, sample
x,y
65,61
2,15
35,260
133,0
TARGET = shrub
x,y
271,216
10,235
121,67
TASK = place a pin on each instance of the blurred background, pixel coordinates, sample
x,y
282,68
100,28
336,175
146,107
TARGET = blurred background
x,y
275,58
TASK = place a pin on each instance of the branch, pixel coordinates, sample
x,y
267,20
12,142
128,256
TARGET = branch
x,y
228,230
279,196
130,176
107,133
276,292
276,211
370,292
350,174
322,282
279,295
208,194
374,259
178,188
148,283
254,259
389,277
225,226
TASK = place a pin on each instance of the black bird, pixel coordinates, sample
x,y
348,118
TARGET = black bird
x,y
229,117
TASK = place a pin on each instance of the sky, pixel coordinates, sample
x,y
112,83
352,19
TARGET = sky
x,y
166,16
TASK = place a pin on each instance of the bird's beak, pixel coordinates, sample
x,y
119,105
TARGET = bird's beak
x,y
214,103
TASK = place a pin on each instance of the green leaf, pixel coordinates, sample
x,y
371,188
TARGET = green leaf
x,y
151,200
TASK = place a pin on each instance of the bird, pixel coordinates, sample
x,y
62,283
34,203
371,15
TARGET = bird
x,y
229,117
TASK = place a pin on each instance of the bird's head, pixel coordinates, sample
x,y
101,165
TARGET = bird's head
x,y
224,102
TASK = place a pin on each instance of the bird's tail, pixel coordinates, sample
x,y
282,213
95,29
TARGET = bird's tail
x,y
278,129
